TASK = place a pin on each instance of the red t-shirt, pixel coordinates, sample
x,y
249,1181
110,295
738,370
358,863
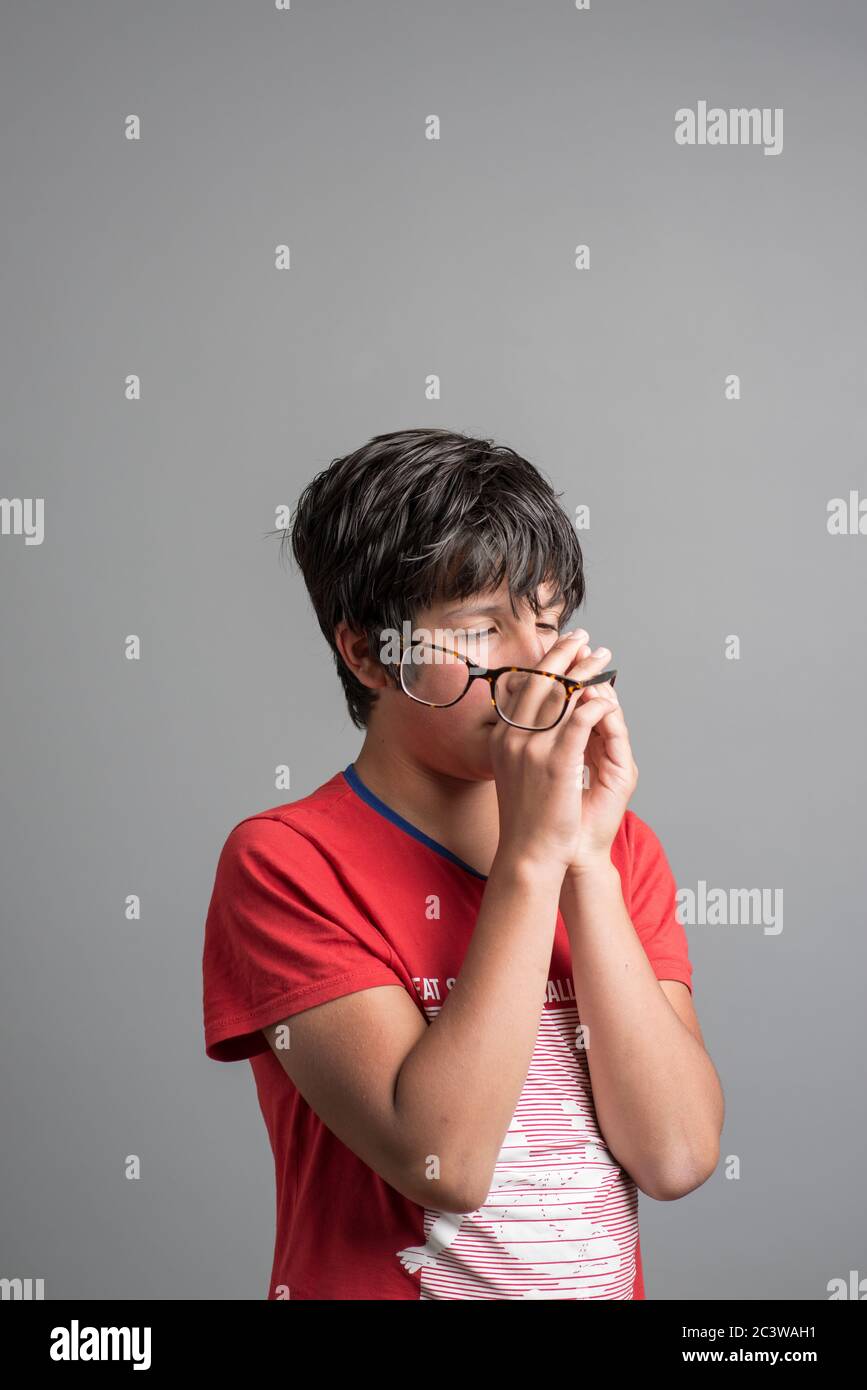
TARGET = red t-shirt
x,y
335,893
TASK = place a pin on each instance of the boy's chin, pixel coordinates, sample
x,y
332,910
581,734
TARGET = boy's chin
x,y
467,754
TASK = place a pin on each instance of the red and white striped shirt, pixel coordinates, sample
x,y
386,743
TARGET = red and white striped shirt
x,y
335,893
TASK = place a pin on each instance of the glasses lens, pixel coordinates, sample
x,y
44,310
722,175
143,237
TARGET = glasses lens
x,y
529,699
434,675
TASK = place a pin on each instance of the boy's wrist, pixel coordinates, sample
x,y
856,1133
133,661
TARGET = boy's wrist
x,y
596,866
588,882
528,868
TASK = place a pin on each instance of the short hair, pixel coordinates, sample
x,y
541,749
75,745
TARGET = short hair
x,y
420,515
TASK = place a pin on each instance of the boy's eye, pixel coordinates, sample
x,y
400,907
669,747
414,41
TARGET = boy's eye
x,y
491,631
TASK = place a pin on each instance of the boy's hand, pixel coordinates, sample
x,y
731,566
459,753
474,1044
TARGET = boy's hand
x,y
544,818
613,770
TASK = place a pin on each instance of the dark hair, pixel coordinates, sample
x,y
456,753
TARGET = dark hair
x,y
420,515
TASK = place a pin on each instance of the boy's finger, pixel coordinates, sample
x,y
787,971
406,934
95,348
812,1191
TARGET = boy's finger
x,y
563,653
588,663
611,728
580,718
530,695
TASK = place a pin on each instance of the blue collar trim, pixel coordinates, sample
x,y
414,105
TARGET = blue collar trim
x,y
373,800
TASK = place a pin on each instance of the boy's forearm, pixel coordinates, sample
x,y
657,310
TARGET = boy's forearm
x,y
656,1092
458,1088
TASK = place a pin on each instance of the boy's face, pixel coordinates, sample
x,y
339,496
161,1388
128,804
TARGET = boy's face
x,y
454,741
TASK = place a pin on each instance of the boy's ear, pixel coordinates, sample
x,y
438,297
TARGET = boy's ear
x,y
354,650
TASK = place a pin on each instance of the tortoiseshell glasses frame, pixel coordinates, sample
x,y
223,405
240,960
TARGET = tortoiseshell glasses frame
x,y
491,675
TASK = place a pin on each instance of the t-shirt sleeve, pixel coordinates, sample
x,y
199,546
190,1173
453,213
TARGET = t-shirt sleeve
x,y
282,934
653,904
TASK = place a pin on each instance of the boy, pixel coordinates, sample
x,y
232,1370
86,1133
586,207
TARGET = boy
x,y
455,967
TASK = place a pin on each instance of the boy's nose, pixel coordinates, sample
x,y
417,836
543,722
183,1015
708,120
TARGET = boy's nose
x,y
528,649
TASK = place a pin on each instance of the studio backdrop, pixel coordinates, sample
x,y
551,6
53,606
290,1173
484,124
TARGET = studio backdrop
x,y
238,241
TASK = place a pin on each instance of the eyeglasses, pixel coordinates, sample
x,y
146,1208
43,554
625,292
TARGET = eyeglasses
x,y
523,697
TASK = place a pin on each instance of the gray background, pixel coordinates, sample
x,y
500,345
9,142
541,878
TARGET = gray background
x,y
411,257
